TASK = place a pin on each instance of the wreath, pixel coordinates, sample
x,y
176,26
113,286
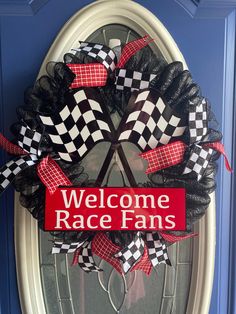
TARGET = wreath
x,y
68,111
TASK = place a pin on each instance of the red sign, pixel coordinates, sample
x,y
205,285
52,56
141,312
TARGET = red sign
x,y
115,209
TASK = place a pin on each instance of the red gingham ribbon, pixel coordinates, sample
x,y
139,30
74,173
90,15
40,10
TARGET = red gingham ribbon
x,y
144,263
131,48
164,156
51,174
105,249
10,147
219,147
95,74
91,74
173,238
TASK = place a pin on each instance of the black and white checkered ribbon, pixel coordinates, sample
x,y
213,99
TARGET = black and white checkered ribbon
x,y
85,255
157,249
99,52
125,79
30,140
198,127
132,80
12,168
150,121
131,253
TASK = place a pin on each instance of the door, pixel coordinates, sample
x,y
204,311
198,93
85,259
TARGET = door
x,y
205,35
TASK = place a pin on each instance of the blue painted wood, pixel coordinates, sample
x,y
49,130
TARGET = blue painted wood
x,y
208,45
21,7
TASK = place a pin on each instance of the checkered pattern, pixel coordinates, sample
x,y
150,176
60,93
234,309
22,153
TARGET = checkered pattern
x,y
86,261
30,140
164,156
101,53
144,263
104,248
198,160
157,249
132,253
89,75
198,121
131,48
150,121
132,80
10,147
78,126
65,248
51,174
219,147
14,167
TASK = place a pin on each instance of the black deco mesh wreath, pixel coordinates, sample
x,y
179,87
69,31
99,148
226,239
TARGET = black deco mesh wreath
x,y
175,85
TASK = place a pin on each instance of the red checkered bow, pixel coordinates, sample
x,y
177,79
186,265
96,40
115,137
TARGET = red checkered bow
x,y
173,154
164,156
51,174
95,74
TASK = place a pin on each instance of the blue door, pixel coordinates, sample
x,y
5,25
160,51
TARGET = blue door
x,y
204,31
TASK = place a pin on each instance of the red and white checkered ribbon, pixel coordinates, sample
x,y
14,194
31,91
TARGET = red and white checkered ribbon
x,y
10,147
144,264
88,75
164,156
173,238
51,174
131,48
219,147
95,74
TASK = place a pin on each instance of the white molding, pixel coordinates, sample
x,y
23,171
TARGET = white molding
x,y
142,21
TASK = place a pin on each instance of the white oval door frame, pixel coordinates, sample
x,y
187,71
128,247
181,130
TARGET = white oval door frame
x,y
142,21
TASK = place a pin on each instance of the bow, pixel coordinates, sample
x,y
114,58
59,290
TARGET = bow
x,y
96,74
28,153
200,153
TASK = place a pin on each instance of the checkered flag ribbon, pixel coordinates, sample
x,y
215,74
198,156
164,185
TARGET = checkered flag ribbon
x,y
30,140
198,160
157,249
14,167
101,53
131,253
150,121
65,248
86,260
96,74
164,156
78,126
198,125
132,80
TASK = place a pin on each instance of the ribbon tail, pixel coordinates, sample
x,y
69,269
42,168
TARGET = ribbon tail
x,y
65,248
157,249
10,147
173,238
51,174
144,263
12,168
132,253
220,148
86,260
131,48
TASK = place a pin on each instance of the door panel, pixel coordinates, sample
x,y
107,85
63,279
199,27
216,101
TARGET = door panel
x,y
206,37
